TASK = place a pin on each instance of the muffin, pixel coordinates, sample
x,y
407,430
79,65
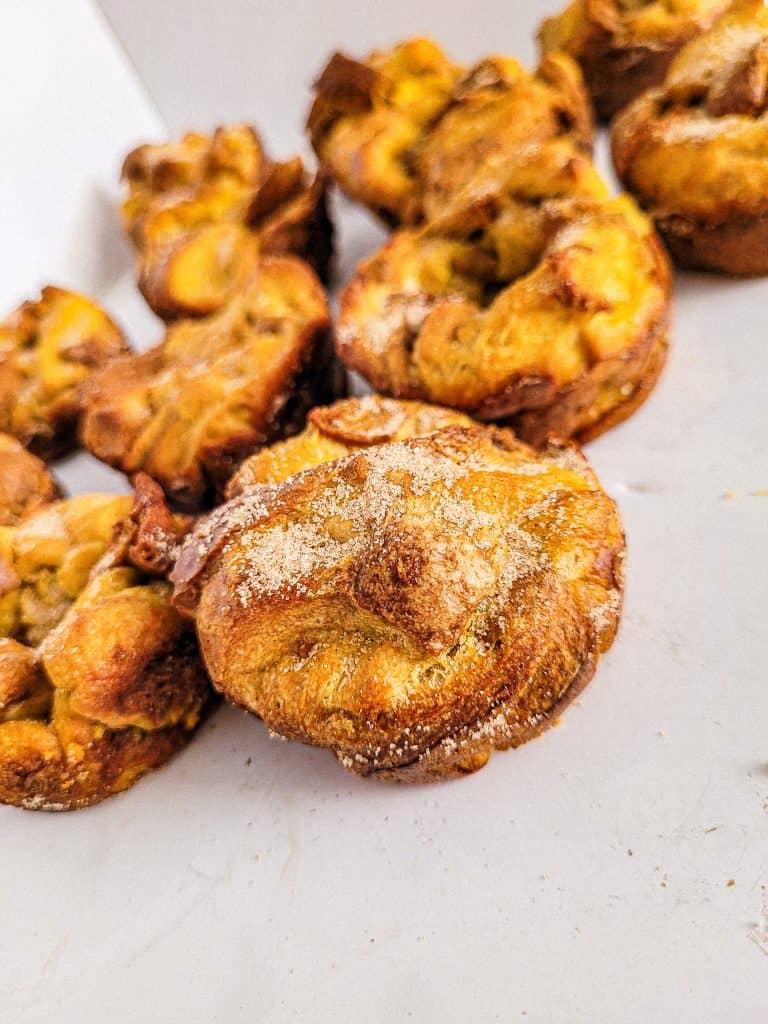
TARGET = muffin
x,y
215,389
695,150
401,130
100,681
625,46
201,210
410,606
535,300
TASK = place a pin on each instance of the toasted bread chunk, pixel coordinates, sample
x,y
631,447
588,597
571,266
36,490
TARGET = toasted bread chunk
x,y
201,210
401,130
695,150
49,348
411,606
215,389
100,681
625,46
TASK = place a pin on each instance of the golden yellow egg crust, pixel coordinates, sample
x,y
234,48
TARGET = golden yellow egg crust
x,y
695,150
402,129
49,348
414,605
100,680
519,305
200,211
26,483
625,46
189,410
336,430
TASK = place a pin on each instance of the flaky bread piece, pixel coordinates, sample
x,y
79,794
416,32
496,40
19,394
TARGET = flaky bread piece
x,y
26,483
550,314
100,680
201,210
334,431
625,46
695,150
49,348
411,606
402,129
190,409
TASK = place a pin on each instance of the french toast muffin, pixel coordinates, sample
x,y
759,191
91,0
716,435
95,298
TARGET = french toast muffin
x,y
534,300
695,150
402,129
26,483
336,430
100,679
216,388
49,348
411,606
625,46
202,209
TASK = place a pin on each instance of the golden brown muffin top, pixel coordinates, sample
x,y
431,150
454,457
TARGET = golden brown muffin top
x,y
48,349
697,147
200,210
401,130
501,323
380,603
334,431
189,409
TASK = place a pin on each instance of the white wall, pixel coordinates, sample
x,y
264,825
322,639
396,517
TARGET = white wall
x,y
296,36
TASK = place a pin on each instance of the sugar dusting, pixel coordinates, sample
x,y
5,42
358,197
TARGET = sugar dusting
x,y
342,520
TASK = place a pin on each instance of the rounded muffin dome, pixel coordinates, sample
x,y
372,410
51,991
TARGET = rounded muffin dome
x,y
413,605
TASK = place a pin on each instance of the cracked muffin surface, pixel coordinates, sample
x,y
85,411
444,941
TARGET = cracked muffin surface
x,y
413,605
695,150
202,209
49,348
100,680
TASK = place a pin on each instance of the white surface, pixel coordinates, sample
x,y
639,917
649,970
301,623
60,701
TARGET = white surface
x,y
253,880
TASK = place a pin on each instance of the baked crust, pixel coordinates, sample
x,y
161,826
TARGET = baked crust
x,y
625,46
215,389
695,150
202,209
49,348
26,483
411,606
403,129
550,314
334,431
100,681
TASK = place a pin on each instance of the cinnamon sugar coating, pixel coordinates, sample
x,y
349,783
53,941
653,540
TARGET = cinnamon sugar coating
x,y
411,606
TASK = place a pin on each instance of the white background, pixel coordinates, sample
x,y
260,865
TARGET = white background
x,y
579,880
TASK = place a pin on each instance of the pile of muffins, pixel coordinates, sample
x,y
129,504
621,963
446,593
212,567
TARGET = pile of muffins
x,y
414,578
